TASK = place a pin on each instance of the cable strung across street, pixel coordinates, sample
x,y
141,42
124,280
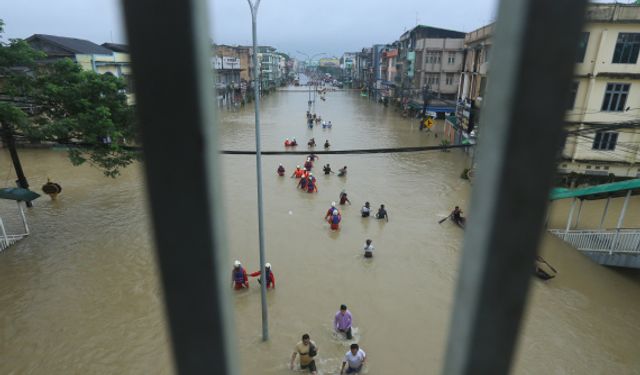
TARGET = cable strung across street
x,y
342,152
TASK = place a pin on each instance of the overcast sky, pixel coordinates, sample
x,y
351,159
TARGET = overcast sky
x,y
329,26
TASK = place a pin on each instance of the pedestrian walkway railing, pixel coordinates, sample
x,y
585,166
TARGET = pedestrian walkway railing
x,y
7,240
612,241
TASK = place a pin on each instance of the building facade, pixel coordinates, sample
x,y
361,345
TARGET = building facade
x,y
604,100
603,108
428,65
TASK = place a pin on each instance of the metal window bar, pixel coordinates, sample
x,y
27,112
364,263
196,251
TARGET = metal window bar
x,y
519,147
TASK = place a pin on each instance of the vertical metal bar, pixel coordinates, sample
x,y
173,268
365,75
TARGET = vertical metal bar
x,y
176,110
570,219
24,219
4,233
604,213
263,273
575,225
510,196
623,212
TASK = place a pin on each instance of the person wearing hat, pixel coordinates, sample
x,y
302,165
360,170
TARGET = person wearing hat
x,y
239,277
294,143
330,211
308,164
287,142
335,220
271,280
302,184
312,184
281,170
298,172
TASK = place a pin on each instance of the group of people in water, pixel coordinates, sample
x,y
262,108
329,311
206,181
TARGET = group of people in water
x,y
306,349
240,277
313,118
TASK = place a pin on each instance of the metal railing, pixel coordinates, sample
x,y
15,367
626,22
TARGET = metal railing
x,y
610,241
7,240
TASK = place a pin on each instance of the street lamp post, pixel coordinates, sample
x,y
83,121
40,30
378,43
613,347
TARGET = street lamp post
x,y
309,59
263,273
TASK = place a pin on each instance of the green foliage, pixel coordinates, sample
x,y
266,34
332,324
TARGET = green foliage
x,y
67,105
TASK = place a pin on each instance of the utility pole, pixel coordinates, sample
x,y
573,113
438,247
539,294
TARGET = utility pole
x,y
10,142
263,273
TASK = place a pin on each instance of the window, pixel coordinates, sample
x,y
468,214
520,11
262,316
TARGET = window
x,y
449,79
487,50
433,79
452,58
605,141
582,46
615,97
627,48
572,95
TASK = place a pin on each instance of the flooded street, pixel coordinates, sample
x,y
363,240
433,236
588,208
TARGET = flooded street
x,y
81,294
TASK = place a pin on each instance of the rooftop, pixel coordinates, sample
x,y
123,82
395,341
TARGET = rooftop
x,y
73,45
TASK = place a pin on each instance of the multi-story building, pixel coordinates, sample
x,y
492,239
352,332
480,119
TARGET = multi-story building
x,y
270,69
233,73
428,66
603,110
364,69
348,65
473,81
605,94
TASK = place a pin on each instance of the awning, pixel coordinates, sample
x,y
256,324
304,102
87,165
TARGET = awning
x,y
18,194
614,189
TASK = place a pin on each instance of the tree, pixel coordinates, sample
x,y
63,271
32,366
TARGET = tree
x,y
61,103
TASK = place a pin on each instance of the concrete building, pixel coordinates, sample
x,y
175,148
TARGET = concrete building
x,y
603,109
429,63
233,78
473,81
348,65
606,91
270,68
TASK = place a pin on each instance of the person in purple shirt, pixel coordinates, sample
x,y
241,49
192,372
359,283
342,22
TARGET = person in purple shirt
x,y
342,321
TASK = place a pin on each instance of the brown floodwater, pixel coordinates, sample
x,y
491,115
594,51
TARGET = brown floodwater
x,y
81,294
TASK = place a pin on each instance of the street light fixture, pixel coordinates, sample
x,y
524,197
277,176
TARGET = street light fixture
x,y
309,59
263,273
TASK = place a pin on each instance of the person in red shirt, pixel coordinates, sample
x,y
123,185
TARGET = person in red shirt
x,y
271,279
239,277
297,173
287,142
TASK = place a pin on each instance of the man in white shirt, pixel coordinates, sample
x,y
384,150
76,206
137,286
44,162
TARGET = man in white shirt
x,y
368,249
355,358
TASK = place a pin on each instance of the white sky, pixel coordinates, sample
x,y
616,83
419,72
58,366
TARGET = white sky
x,y
329,26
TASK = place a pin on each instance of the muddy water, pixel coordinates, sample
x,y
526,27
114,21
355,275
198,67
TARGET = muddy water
x,y
81,294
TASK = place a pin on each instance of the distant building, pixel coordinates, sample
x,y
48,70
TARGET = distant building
x,y
348,65
232,67
108,58
329,62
